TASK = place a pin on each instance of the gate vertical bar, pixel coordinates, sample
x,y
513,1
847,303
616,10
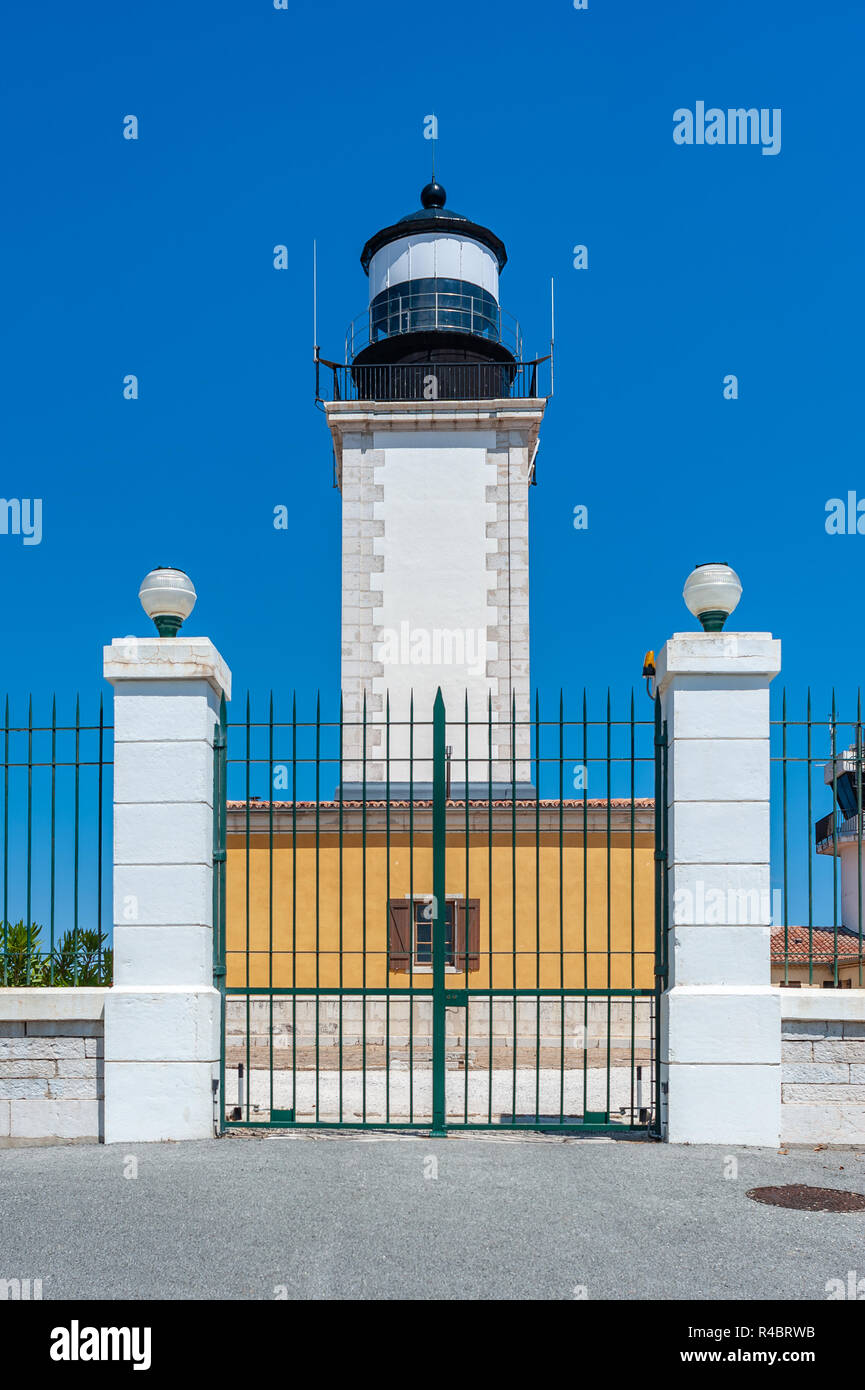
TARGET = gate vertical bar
x,y
514,895
439,915
54,830
270,1058
859,826
466,1067
660,900
6,843
219,924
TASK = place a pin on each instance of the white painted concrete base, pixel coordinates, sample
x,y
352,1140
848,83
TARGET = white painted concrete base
x,y
149,1101
722,1049
161,1055
724,1104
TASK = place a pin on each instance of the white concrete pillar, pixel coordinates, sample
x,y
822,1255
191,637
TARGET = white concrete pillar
x,y
162,1015
720,1015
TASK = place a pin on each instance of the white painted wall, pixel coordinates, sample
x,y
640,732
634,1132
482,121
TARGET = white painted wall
x,y
435,579
459,472
429,254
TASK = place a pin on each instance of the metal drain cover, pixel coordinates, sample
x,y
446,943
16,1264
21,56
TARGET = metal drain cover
x,y
801,1198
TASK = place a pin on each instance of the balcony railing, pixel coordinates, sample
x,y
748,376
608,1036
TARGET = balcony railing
x,y
419,311
836,826
431,381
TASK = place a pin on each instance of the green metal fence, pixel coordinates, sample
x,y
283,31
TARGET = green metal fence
x,y
55,894
817,844
418,927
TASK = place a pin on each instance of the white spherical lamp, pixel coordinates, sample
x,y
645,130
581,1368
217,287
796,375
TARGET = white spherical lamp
x,y
711,593
168,597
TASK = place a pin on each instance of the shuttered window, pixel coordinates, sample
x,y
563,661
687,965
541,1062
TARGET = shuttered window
x,y
410,930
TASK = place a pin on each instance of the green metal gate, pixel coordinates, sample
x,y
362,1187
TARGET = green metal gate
x,y
416,951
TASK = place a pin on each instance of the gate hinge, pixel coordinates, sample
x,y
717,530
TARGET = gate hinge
x,y
219,856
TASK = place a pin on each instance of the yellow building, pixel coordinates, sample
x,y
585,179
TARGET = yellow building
x,y
539,896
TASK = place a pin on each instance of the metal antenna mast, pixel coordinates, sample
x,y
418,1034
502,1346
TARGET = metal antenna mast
x,y
315,320
552,333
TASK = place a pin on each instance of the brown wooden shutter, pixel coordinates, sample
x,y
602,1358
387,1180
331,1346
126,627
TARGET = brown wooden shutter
x,y
399,934
471,929
459,934
474,933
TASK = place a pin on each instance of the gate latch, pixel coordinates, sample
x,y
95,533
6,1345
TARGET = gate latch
x,y
457,998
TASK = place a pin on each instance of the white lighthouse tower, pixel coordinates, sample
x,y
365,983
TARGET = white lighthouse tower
x,y
435,420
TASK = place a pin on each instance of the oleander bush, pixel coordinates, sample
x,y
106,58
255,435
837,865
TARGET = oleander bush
x,y
77,958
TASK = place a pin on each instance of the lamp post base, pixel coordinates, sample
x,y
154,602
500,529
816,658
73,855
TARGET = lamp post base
x,y
713,619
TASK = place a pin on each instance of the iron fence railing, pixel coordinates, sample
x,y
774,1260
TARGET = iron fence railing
x,y
817,861
56,796
445,922
431,381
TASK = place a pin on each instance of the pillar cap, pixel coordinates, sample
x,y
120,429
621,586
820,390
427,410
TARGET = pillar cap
x,y
158,659
718,654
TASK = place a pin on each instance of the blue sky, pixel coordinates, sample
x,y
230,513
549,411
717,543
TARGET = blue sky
x,y
259,127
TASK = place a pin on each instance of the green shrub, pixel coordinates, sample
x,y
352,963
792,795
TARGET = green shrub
x,y
83,959
78,958
22,961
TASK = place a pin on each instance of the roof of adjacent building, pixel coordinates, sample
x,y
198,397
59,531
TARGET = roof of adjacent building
x,y
814,943
527,804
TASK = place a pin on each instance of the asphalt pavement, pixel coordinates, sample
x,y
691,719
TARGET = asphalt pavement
x,y
264,1216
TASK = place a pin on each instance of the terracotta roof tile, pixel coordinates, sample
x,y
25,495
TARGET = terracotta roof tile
x,y
593,803
819,943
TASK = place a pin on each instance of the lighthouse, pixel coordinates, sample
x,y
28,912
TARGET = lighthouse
x,y
435,417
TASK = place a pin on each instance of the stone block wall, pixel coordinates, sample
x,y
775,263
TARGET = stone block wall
x,y
336,1021
51,1066
823,1080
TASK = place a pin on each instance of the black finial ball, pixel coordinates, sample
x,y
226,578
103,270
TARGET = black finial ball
x,y
433,196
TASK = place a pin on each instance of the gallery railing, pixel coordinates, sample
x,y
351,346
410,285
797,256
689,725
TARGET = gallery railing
x,y
431,381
